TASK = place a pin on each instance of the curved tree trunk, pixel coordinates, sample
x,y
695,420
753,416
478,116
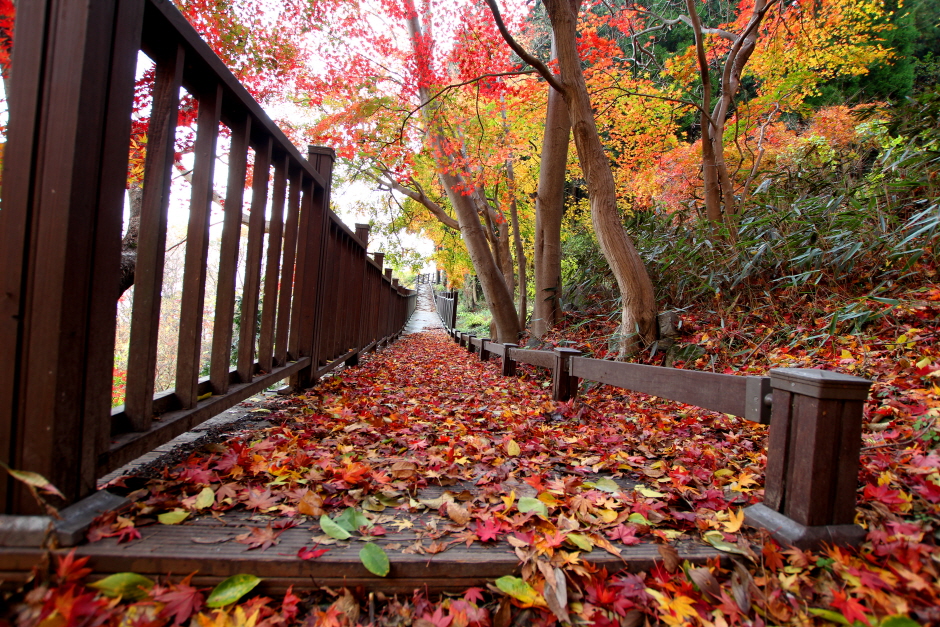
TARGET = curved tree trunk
x,y
638,323
549,210
499,298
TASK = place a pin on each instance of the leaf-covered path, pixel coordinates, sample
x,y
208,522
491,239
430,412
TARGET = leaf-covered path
x,y
613,509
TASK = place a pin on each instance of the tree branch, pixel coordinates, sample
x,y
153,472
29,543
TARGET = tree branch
x,y
540,67
388,180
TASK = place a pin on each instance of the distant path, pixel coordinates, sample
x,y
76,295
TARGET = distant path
x,y
425,317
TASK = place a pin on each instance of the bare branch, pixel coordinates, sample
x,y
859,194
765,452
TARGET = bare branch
x,y
522,52
387,179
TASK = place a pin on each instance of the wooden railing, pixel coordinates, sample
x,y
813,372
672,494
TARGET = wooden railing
x,y
446,303
815,419
314,301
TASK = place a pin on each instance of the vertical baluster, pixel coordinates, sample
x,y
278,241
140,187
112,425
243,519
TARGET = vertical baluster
x,y
228,258
252,289
148,274
281,355
189,346
272,268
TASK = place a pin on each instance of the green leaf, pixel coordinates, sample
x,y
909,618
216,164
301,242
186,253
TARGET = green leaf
x,y
649,492
717,540
898,620
352,519
519,590
231,590
332,529
829,615
528,504
606,484
128,585
639,519
174,517
581,541
205,499
373,557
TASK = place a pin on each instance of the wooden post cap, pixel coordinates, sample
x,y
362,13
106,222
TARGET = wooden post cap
x,y
379,258
820,383
324,151
362,233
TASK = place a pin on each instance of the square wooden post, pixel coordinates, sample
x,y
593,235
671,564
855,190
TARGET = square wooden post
x,y
308,283
564,386
484,353
509,364
812,458
453,310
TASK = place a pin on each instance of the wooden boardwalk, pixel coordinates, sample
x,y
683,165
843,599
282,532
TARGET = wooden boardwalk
x,y
425,555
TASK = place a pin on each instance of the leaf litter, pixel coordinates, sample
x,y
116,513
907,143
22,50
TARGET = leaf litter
x,y
423,428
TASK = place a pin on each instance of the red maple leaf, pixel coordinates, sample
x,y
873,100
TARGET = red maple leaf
x,y
850,608
259,500
487,530
70,570
438,619
259,538
181,601
310,554
625,534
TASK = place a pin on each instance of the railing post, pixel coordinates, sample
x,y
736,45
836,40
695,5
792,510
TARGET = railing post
x,y
564,386
65,167
470,348
315,203
453,310
509,364
484,354
812,458
362,234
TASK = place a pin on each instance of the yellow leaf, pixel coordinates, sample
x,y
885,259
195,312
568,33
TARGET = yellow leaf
x,y
735,522
682,607
607,515
512,448
520,590
548,498
509,500
205,499
846,354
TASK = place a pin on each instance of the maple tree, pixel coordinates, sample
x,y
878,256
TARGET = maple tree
x,y
787,50
638,324
428,114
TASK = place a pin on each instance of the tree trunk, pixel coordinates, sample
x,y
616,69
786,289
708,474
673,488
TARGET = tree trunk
x,y
521,261
135,193
549,210
721,206
505,255
638,323
498,297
